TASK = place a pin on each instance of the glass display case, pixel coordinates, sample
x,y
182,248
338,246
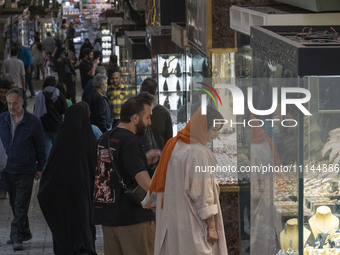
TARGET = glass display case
x,y
143,69
174,83
47,27
107,44
224,147
295,188
128,75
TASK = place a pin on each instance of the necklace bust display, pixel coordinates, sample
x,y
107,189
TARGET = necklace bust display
x,y
289,237
323,221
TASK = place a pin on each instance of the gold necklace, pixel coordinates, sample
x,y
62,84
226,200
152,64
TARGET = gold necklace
x,y
321,231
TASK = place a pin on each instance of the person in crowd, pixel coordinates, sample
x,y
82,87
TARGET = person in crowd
x,y
86,45
23,138
66,186
36,36
14,70
67,72
99,105
147,140
127,228
58,49
89,86
161,123
69,45
117,94
3,162
87,67
38,58
113,63
25,55
49,106
112,68
96,131
71,32
97,49
63,90
3,158
5,86
48,45
188,212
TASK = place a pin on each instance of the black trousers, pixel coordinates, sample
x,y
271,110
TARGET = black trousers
x,y
19,190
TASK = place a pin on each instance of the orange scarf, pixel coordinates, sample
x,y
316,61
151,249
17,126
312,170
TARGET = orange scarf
x,y
194,132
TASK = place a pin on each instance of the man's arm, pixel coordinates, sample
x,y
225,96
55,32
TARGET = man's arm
x,y
143,179
55,50
3,157
94,66
39,143
23,82
22,76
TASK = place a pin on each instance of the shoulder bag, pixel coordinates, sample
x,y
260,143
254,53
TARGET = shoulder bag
x,y
133,192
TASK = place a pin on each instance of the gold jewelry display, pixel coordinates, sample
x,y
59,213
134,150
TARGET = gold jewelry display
x,y
289,237
323,221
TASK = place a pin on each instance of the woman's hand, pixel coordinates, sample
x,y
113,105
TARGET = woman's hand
x,y
212,236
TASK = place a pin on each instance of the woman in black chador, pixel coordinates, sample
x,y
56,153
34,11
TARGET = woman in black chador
x,y
66,186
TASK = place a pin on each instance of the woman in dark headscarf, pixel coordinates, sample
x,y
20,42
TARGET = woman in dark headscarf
x,y
86,44
66,186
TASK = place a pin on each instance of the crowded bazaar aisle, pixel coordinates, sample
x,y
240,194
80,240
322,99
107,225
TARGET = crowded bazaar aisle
x,y
41,243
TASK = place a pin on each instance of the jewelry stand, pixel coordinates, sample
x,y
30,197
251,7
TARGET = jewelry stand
x,y
289,237
323,221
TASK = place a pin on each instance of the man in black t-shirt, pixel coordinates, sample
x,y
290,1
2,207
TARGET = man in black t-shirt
x,y
127,228
87,67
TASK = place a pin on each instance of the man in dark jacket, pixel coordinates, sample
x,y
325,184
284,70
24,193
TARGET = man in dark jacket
x,y
99,105
23,138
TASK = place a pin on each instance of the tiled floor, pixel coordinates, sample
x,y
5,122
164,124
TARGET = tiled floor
x,y
41,243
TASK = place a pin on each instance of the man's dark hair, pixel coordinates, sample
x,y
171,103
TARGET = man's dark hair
x,y
113,70
87,52
14,51
85,106
5,84
18,44
149,85
134,105
49,81
62,88
147,96
48,33
113,59
15,91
